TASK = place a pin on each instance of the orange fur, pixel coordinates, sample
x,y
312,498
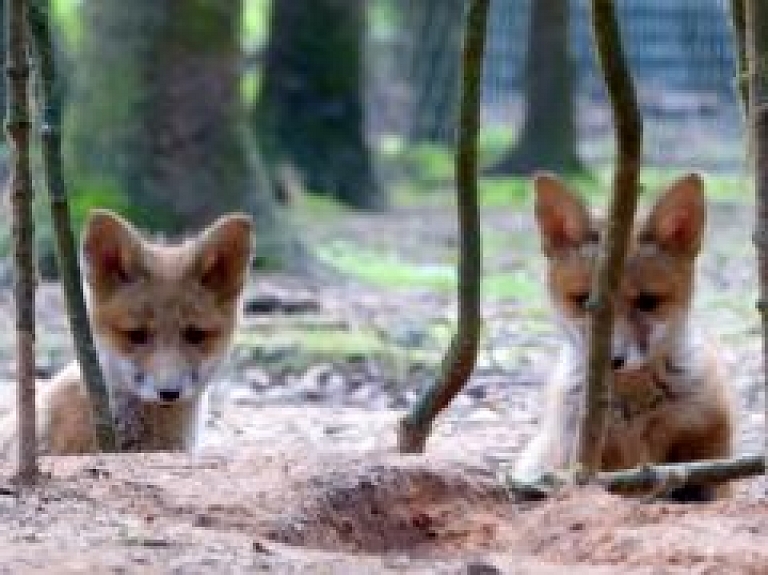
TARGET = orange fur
x,y
670,402
163,317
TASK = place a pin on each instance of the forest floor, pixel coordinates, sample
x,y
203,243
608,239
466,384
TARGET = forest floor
x,y
298,472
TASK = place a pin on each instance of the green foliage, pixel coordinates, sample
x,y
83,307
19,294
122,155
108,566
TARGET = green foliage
x,y
96,193
86,196
428,163
514,192
250,86
67,20
384,19
255,24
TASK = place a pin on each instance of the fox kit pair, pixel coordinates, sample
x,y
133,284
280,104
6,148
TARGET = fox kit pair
x,y
669,398
163,317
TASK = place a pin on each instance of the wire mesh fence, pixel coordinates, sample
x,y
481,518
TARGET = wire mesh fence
x,y
681,55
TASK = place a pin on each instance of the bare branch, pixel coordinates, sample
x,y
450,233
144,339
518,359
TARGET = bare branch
x,y
738,24
756,47
65,242
17,126
622,213
459,361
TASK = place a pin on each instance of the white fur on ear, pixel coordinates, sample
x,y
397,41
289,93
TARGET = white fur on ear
x,y
677,220
110,251
562,217
224,255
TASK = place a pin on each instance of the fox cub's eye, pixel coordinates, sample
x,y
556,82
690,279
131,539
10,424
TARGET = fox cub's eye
x,y
138,336
647,302
579,300
193,335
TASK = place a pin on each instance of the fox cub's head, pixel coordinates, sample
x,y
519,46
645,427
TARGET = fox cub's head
x,y
655,289
163,316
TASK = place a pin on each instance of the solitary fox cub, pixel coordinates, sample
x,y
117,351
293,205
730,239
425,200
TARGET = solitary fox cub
x,y
669,398
163,317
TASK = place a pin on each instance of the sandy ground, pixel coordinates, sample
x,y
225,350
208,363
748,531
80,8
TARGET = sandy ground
x,y
320,490
298,474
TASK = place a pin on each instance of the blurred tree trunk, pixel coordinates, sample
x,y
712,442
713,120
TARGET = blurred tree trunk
x,y
548,137
434,77
157,117
753,16
311,109
4,159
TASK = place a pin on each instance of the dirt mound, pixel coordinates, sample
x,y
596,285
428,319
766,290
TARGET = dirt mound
x,y
410,510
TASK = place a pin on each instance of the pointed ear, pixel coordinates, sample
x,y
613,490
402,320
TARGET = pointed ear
x,y
224,254
676,223
561,215
111,252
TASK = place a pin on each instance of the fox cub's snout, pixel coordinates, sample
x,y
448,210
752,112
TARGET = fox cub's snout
x,y
669,401
656,287
163,315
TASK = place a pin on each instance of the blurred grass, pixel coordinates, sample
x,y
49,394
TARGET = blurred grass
x,y
388,270
427,183
298,349
427,172
316,342
255,24
66,18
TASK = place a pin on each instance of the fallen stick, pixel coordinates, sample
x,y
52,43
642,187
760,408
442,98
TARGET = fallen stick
x,y
655,479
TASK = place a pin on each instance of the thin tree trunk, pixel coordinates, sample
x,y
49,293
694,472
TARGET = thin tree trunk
x,y
738,25
622,213
39,19
756,41
459,361
17,126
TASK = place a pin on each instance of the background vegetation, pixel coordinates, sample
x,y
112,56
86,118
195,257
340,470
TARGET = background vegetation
x,y
180,110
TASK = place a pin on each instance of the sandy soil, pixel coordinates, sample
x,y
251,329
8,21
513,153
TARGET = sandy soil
x,y
320,490
298,474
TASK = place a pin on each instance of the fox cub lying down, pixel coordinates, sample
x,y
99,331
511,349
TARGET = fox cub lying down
x,y
163,317
669,398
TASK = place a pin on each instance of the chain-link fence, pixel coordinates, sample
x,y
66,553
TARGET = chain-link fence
x,y
680,53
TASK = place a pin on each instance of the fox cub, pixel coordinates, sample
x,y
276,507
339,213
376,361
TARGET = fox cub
x,y
163,317
669,398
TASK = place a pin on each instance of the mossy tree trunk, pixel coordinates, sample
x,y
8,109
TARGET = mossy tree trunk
x,y
548,139
157,116
311,111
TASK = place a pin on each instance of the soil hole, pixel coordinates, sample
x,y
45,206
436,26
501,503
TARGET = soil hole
x,y
404,509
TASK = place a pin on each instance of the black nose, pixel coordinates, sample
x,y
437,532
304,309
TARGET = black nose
x,y
169,394
617,362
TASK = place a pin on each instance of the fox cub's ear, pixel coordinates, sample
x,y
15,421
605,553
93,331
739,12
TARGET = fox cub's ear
x,y
224,254
677,221
561,215
111,252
